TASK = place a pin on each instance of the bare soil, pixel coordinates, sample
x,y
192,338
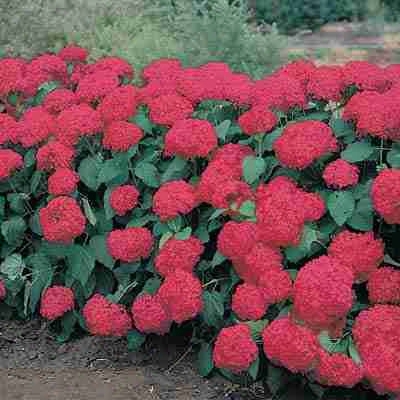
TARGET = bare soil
x,y
34,366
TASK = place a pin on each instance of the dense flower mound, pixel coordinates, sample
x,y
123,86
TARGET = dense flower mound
x,y
235,349
338,370
340,174
105,318
283,209
130,244
181,295
249,213
149,315
376,335
62,220
293,346
385,195
361,252
190,138
174,198
302,143
322,293
384,286
123,199
178,254
56,301
63,181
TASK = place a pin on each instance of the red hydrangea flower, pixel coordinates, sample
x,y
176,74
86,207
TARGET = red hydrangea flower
x,y
385,195
75,122
293,346
231,193
282,209
9,162
3,290
56,301
257,120
340,174
11,72
54,155
337,370
73,54
63,182
162,70
119,105
248,302
359,251
174,198
257,260
326,83
37,124
190,138
302,70
365,75
276,285
322,292
178,254
104,318
115,65
278,92
94,87
58,100
169,108
235,349
149,315
376,334
236,239
121,135
384,286
123,199
62,220
302,143
181,295
130,244
10,129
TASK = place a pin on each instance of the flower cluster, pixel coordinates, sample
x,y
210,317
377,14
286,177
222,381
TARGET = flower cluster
x,y
256,211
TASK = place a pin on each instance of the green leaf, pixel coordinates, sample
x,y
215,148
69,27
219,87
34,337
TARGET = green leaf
x,y
36,180
99,250
68,322
363,216
341,206
353,352
42,276
108,210
213,310
254,368
135,340
205,363
175,170
148,173
217,259
256,328
248,208
315,116
223,128
43,91
141,120
13,230
175,224
89,170
151,286
81,262
111,169
304,249
356,152
271,137
389,260
393,156
89,212
164,238
325,341
253,168
184,233
12,266
341,128
277,379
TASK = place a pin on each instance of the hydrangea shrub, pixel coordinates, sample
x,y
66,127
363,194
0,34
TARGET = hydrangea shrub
x,y
262,215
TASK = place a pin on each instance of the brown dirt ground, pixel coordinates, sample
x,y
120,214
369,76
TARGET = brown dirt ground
x,y
34,366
